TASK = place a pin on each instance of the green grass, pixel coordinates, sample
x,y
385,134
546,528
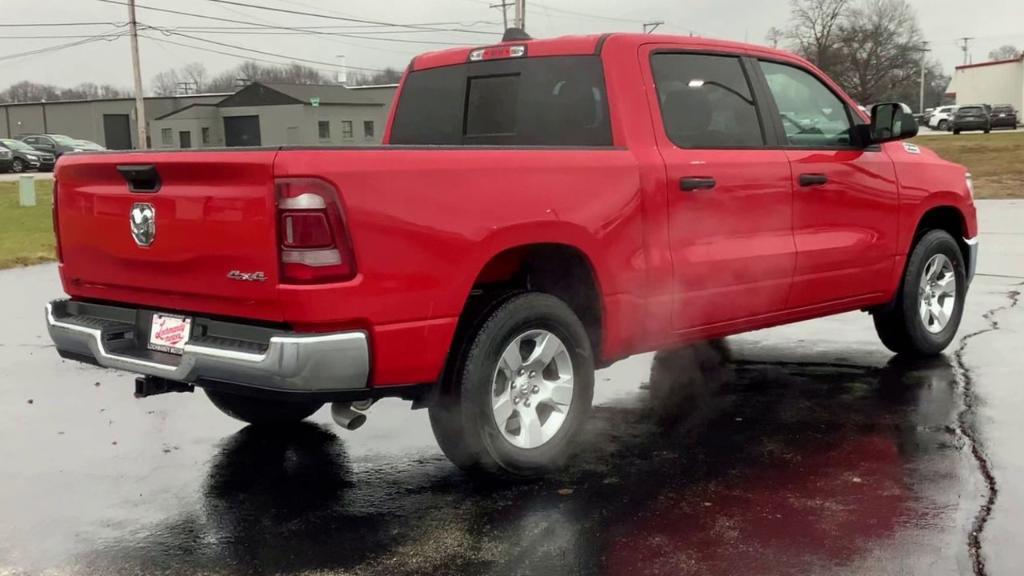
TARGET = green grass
x,y
995,160
26,234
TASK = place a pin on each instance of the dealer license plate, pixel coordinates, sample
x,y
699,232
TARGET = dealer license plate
x,y
169,333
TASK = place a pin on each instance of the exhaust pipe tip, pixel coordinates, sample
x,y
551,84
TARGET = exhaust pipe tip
x,y
346,417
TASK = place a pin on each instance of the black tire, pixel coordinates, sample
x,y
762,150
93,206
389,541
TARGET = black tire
x,y
988,130
943,124
898,324
261,411
18,166
956,132
461,415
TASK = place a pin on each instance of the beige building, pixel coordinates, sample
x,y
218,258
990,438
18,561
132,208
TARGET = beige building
x,y
264,114
257,115
999,82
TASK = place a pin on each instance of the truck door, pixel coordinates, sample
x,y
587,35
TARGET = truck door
x,y
729,196
845,201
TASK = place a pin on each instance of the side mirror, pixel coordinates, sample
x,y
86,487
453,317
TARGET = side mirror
x,y
891,121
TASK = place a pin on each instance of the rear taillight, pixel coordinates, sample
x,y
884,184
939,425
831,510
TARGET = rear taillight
x,y
313,238
56,224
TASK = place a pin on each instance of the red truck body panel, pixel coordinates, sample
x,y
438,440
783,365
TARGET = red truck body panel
x,y
424,222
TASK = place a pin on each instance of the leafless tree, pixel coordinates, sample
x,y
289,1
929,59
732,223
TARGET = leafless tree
x,y
385,76
32,92
1005,52
879,48
813,27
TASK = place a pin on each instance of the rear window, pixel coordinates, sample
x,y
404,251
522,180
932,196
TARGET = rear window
x,y
551,101
969,110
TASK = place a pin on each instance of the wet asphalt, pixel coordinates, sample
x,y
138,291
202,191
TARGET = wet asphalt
x,y
805,449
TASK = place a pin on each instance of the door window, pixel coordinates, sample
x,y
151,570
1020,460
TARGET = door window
x,y
706,101
812,116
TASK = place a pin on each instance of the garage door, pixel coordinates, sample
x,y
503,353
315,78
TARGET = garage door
x,y
242,131
117,132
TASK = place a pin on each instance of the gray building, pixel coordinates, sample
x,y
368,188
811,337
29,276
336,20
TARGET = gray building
x,y
257,115
263,114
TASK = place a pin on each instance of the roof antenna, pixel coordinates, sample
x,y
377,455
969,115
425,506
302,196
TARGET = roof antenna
x,y
516,35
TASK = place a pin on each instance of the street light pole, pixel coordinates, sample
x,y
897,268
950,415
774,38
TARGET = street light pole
x,y
924,52
140,101
520,18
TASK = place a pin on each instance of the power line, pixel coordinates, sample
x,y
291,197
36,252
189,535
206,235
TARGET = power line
x,y
342,18
45,24
98,38
243,57
268,26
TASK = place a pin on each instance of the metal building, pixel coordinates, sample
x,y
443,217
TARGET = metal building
x,y
258,114
995,83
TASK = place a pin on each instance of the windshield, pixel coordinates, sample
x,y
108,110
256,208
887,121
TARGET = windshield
x,y
969,111
17,145
63,140
551,101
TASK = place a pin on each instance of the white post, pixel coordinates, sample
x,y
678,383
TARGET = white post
x,y
26,190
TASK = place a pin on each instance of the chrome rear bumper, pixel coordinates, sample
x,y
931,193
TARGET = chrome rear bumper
x,y
274,360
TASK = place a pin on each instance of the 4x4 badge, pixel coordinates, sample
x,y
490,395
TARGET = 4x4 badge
x,y
143,220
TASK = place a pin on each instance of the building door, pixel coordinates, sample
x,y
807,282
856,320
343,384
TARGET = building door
x,y
184,139
242,131
117,131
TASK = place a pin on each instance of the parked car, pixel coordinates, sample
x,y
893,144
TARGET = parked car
x,y
56,144
528,230
939,120
26,157
6,160
88,145
1003,116
970,118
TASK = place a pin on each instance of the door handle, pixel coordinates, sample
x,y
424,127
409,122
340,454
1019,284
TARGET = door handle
x,y
690,184
813,179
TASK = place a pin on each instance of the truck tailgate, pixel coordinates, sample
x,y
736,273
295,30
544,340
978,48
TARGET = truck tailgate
x,y
213,244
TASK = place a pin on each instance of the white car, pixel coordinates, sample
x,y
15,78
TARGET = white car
x,y
940,118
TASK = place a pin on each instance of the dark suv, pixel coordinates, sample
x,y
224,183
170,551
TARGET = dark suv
x,y
970,118
25,157
56,144
1003,116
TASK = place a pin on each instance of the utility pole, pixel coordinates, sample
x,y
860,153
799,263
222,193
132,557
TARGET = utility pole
x,y
140,101
520,17
924,52
504,12
965,42
652,26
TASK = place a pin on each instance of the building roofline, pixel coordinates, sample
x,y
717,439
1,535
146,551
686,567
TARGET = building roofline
x,y
991,63
85,100
372,86
192,105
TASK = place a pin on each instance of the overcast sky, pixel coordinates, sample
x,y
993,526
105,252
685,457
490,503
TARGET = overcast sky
x,y
992,23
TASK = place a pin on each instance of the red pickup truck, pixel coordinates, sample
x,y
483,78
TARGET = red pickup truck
x,y
540,208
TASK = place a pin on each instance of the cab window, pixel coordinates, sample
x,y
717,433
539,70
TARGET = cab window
x,y
812,116
706,101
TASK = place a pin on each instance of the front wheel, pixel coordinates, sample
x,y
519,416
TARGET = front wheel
x,y
260,410
18,166
942,125
925,314
519,391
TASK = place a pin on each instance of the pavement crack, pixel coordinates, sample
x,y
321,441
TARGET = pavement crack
x,y
967,429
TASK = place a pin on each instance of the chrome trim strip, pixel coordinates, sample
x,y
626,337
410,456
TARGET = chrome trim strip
x,y
323,362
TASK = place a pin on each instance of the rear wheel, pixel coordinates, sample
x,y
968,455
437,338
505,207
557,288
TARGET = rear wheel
x,y
519,391
925,313
943,124
260,410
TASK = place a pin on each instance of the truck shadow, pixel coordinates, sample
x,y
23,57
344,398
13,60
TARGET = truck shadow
x,y
724,466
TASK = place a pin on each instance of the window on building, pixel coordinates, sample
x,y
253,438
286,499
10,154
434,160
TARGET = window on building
x,y
368,128
706,101
346,129
324,129
167,136
206,135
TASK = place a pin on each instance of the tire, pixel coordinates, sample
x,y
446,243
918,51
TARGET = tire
x,y
18,166
900,324
261,411
943,124
988,130
956,132
484,385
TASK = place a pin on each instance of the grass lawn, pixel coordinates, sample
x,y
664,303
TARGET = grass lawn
x,y
995,160
26,234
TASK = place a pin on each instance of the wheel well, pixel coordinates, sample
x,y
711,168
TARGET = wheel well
x,y
945,218
557,269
